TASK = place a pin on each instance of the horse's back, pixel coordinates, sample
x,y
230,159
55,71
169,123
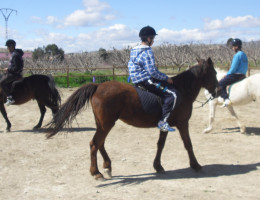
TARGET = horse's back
x,y
246,90
117,100
253,86
114,92
37,78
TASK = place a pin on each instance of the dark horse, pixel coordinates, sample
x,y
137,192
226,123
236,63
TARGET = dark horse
x,y
114,100
39,87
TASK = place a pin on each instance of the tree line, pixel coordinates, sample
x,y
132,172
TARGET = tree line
x,y
51,58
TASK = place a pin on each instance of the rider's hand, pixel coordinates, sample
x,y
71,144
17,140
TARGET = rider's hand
x,y
169,80
6,69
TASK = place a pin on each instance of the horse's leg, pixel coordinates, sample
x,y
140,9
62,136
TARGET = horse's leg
x,y
184,131
42,110
212,112
107,162
54,110
160,145
3,111
97,143
232,112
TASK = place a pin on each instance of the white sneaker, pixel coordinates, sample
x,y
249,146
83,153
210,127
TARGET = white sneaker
x,y
226,103
165,127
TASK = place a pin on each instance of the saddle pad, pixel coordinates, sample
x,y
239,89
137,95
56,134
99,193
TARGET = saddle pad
x,y
150,102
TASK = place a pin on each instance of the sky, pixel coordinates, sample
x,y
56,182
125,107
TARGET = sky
x,y
88,25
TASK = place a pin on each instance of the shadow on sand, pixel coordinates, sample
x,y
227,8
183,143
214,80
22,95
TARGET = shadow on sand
x,y
249,130
208,171
43,130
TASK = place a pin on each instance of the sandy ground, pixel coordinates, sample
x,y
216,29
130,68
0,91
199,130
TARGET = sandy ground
x,y
32,167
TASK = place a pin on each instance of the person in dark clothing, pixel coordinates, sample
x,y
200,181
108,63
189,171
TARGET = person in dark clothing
x,y
14,70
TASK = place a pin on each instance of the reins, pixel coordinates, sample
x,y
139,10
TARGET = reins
x,y
204,103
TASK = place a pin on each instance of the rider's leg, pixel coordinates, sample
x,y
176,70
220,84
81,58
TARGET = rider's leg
x,y
228,80
6,84
169,103
169,97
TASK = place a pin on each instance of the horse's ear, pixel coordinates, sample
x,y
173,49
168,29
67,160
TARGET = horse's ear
x,y
209,62
198,60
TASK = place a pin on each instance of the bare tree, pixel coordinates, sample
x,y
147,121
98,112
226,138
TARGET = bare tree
x,y
252,49
173,55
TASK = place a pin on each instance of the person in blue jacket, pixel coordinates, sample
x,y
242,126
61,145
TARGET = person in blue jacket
x,y
237,71
143,72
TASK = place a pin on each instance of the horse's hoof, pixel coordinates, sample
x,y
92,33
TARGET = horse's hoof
x,y
159,169
99,177
7,130
161,172
207,130
196,167
107,173
243,130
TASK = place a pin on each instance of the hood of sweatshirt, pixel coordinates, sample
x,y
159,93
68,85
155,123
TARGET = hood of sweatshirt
x,y
19,51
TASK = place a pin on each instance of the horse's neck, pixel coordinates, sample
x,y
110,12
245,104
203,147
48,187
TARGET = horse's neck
x,y
188,84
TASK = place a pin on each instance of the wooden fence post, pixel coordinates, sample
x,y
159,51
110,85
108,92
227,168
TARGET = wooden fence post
x,y
113,72
68,76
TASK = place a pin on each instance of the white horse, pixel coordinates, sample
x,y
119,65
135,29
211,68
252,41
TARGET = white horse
x,y
241,93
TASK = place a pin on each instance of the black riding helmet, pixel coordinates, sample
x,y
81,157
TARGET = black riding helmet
x,y
236,42
10,42
146,31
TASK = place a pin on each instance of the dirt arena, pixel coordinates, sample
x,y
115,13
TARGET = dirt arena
x,y
34,168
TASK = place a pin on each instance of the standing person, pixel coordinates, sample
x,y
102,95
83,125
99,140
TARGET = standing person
x,y
13,72
237,71
143,72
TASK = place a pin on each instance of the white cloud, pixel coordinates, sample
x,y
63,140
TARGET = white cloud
x,y
95,13
95,5
118,36
52,20
36,19
229,22
185,35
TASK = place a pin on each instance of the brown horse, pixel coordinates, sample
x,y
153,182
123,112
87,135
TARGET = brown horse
x,y
39,87
114,100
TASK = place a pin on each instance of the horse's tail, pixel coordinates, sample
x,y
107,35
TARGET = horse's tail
x,y
69,110
54,96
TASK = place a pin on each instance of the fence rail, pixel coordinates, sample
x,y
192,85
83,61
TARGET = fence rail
x,y
169,70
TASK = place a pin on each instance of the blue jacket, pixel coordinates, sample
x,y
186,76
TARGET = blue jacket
x,y
142,66
239,64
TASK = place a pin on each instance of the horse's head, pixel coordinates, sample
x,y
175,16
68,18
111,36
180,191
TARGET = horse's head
x,y
208,75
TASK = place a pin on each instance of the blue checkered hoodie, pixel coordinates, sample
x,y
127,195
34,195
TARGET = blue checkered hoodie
x,y
142,66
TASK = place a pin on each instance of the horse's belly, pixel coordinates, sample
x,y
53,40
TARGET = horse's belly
x,y
143,120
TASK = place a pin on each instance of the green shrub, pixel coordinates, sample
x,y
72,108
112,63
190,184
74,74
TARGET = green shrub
x,y
79,79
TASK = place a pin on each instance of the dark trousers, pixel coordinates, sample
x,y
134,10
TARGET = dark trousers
x,y
165,91
228,80
6,82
